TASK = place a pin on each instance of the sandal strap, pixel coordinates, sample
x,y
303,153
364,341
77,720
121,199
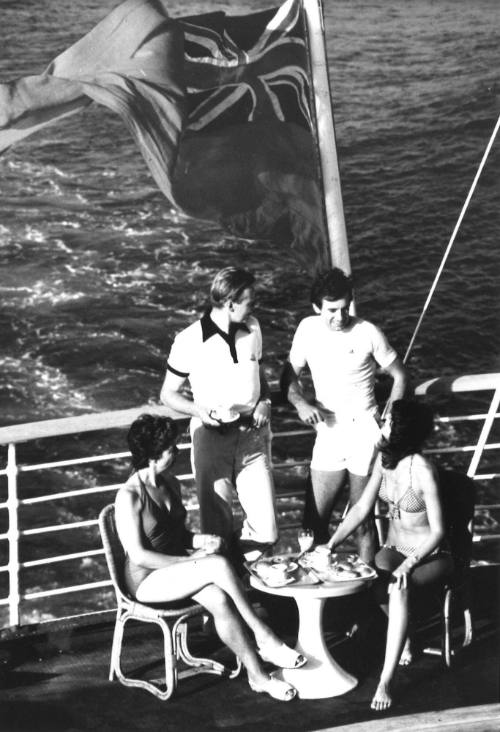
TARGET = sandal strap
x,y
277,689
281,655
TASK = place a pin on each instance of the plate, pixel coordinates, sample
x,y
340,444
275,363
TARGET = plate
x,y
332,577
266,567
279,559
270,583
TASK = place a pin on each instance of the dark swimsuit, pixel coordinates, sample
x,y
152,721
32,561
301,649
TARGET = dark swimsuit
x,y
163,530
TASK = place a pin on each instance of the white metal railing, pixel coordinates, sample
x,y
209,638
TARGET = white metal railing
x,y
471,383
11,436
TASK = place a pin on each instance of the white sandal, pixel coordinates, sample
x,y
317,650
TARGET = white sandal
x,y
277,689
281,655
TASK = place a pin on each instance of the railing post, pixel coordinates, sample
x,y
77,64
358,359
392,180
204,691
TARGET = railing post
x,y
13,535
488,423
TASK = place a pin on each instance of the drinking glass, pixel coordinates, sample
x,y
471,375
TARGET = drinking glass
x,y
305,538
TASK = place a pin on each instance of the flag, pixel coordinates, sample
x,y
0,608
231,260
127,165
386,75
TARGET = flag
x,y
219,106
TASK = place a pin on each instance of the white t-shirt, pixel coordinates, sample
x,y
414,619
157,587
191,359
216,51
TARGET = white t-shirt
x,y
223,369
342,363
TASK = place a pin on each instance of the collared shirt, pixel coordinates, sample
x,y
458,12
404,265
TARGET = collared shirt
x,y
342,363
222,368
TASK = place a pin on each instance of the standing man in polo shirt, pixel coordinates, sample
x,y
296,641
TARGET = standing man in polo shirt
x,y
230,411
342,353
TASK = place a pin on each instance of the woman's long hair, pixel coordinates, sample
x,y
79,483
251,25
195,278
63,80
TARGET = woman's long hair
x,y
411,424
148,437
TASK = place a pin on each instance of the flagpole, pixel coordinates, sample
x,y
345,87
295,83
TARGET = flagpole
x,y
327,148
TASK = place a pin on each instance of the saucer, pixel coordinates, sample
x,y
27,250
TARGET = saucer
x,y
225,416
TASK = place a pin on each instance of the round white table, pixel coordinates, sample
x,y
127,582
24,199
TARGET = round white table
x,y
322,676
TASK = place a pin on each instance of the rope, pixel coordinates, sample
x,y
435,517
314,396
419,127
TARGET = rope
x,y
452,241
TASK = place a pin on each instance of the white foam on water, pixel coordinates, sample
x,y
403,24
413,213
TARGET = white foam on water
x,y
43,292
37,169
46,388
33,234
71,224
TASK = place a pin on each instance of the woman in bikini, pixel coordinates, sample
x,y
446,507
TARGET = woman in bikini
x,y
161,566
412,555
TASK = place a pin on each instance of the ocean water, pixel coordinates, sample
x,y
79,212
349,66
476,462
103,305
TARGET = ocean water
x,y
99,272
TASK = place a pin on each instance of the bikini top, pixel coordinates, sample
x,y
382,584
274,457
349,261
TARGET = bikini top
x,y
410,501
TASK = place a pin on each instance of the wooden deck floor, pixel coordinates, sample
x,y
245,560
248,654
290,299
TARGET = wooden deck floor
x,y
57,681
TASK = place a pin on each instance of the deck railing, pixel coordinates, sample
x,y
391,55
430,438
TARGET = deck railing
x,y
25,433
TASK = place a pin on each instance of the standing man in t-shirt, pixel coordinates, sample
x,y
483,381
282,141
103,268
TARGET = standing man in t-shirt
x,y
342,353
230,412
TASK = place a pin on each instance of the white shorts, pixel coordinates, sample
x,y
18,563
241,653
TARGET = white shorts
x,y
346,443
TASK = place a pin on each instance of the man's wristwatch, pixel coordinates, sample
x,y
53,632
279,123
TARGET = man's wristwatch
x,y
266,401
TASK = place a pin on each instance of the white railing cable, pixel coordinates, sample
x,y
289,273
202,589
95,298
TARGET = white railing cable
x,y
84,460
74,461
62,558
59,527
452,240
70,494
65,590
464,448
58,558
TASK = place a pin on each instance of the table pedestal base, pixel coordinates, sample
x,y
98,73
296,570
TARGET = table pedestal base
x,y
321,677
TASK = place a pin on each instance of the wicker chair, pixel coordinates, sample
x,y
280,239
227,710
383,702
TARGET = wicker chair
x,y
173,622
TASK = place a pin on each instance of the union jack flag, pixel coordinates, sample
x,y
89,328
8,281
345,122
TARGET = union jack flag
x,y
218,106
246,68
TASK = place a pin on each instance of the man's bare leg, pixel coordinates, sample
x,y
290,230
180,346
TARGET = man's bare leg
x,y
365,535
320,500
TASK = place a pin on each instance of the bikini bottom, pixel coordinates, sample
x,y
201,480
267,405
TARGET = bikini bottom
x,y
434,569
407,550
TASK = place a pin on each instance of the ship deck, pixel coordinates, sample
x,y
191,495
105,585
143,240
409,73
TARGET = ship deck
x,y
55,677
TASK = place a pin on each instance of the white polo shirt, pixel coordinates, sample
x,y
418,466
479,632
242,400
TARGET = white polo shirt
x,y
342,363
223,369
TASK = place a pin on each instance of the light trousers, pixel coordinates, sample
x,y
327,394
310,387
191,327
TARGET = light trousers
x,y
234,457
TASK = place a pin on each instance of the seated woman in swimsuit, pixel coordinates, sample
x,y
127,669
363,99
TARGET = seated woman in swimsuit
x,y
411,557
159,568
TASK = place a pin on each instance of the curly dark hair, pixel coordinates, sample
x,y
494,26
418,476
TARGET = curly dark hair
x,y
148,437
412,423
333,284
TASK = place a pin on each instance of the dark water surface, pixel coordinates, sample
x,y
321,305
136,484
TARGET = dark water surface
x,y
98,272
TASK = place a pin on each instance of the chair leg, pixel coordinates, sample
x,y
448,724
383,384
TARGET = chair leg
x,y
116,646
468,633
202,665
447,652
169,656
468,628
175,648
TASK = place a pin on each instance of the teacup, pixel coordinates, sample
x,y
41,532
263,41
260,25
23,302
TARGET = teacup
x,y
276,573
225,414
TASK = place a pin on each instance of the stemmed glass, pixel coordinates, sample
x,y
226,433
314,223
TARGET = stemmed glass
x,y
305,538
